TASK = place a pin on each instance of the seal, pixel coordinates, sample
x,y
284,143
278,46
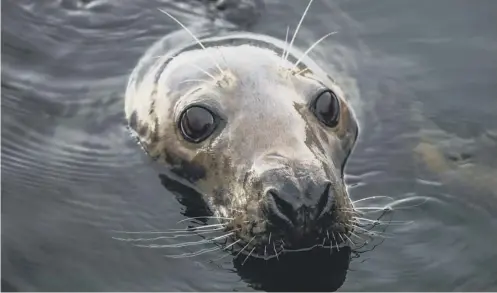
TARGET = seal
x,y
257,128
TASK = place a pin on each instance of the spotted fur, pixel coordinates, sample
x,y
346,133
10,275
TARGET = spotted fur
x,y
268,135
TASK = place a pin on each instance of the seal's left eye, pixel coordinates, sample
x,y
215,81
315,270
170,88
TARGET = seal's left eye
x,y
196,124
326,107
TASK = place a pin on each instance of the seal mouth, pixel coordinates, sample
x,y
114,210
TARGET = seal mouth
x,y
274,249
261,239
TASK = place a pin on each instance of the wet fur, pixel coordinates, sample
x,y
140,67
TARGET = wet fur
x,y
266,125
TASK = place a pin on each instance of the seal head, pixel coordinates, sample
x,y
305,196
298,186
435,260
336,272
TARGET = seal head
x,y
265,145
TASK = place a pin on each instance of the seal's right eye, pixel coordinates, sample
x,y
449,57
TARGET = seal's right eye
x,y
196,124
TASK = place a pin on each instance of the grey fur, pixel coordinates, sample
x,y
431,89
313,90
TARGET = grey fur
x,y
268,137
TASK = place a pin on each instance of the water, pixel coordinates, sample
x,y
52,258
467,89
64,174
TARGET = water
x,y
425,71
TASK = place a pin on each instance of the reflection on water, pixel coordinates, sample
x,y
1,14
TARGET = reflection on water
x,y
71,174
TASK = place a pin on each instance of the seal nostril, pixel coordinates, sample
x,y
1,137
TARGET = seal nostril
x,y
281,208
323,205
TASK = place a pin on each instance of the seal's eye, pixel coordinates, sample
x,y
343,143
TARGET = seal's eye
x,y
326,107
196,124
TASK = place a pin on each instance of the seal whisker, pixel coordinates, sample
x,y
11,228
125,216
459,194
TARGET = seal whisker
x,y
165,237
377,233
373,234
309,248
363,224
372,197
187,231
203,71
301,71
192,254
200,227
219,258
353,210
336,242
297,29
378,222
369,232
244,247
192,80
374,222
193,36
310,49
232,244
249,255
355,224
398,223
286,45
195,230
354,234
370,208
350,240
222,56
206,217
185,243
275,252
397,202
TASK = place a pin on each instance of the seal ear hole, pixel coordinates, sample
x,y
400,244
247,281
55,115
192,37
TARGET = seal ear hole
x,y
326,107
197,123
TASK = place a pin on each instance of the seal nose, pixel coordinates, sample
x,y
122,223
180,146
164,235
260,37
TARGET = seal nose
x,y
290,210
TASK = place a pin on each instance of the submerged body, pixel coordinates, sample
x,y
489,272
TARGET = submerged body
x,y
262,136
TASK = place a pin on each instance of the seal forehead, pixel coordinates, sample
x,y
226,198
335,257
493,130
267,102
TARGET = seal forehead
x,y
252,78
246,63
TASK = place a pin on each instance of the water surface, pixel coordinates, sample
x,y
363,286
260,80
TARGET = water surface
x,y
425,74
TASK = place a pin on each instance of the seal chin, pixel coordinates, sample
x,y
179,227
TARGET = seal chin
x,y
293,222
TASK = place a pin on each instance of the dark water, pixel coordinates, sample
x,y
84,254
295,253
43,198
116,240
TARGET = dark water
x,y
426,73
